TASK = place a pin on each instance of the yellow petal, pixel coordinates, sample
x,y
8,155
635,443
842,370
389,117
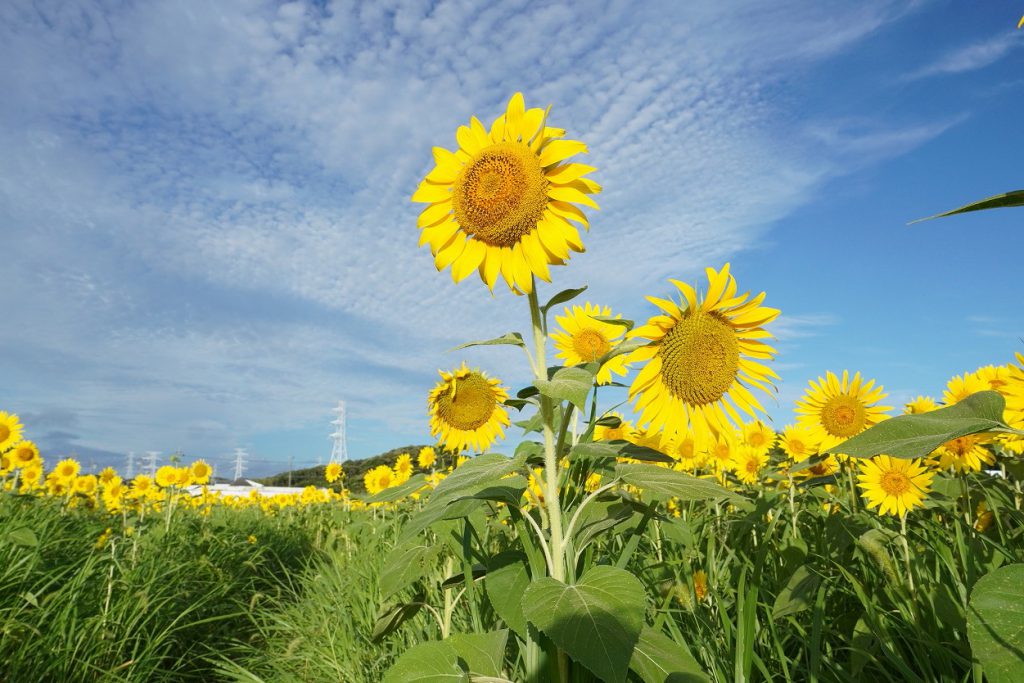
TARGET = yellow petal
x,y
571,194
434,214
430,193
567,173
559,150
468,261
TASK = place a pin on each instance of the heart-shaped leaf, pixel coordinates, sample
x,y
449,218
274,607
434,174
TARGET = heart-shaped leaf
x,y
995,624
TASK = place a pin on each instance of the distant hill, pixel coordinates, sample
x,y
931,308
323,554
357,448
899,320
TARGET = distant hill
x,y
353,469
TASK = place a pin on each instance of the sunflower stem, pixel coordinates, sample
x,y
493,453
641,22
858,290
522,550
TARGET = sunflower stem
x,y
551,500
906,551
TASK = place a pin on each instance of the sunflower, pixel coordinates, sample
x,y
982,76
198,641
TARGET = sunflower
x,y
758,436
332,472
623,432
798,443
166,476
85,485
403,467
747,463
107,475
66,470
921,404
893,485
833,411
584,339
996,376
965,454
182,477
961,386
378,479
201,472
702,353
504,201
10,430
466,409
426,458
24,454
683,449
142,485
721,450
828,465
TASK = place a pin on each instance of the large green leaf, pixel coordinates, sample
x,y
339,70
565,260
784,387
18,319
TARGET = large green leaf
x,y
798,593
388,495
507,580
995,624
662,482
999,201
597,621
568,384
915,436
659,659
617,449
512,338
482,653
474,476
431,662
406,564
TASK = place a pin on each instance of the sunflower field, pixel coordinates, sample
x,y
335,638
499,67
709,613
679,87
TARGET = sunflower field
x,y
646,523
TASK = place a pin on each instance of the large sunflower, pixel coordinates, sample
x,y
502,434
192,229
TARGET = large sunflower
x,y
505,200
833,411
584,339
702,353
892,485
466,409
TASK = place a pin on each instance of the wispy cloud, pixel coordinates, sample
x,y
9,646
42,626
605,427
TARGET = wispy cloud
x,y
971,57
207,207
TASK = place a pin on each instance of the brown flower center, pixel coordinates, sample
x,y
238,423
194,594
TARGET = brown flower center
x,y
843,416
699,358
590,344
468,402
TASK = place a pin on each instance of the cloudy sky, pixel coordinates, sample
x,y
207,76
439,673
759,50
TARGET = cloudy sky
x,y
208,240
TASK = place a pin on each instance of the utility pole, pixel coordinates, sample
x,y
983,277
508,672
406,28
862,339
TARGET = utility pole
x,y
130,470
151,457
291,466
339,451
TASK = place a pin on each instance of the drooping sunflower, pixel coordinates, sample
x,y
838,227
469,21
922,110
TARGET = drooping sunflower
x,y
466,410
834,410
893,485
505,200
584,339
332,472
703,352
10,430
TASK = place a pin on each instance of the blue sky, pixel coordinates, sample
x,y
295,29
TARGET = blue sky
x,y
208,239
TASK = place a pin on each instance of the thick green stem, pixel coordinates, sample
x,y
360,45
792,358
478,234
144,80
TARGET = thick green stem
x,y
551,499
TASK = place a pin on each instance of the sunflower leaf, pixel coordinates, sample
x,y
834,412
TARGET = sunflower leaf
x,y
662,482
430,662
1015,198
617,449
512,338
915,436
995,623
406,564
507,578
568,384
622,322
597,621
394,616
660,659
562,297
483,654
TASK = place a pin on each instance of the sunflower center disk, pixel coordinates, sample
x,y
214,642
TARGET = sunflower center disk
x,y
5,433
894,483
501,194
590,345
699,359
843,416
469,404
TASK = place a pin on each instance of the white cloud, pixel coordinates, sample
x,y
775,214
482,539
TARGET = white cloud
x,y
208,204
971,57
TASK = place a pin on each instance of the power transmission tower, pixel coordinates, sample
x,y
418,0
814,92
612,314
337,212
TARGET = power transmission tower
x,y
150,459
339,452
240,456
130,470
